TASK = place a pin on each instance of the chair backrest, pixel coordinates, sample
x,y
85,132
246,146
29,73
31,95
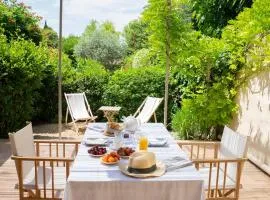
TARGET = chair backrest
x,y
233,145
150,104
22,144
78,106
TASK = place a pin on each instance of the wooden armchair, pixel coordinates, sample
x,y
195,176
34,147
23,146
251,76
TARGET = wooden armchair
x,y
40,177
222,170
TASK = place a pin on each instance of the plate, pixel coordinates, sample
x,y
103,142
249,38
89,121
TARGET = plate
x,y
95,141
125,157
97,156
109,163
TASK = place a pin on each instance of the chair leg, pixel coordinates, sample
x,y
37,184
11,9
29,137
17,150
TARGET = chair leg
x,y
155,117
66,116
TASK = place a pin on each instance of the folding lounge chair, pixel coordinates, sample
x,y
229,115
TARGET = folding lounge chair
x,y
78,108
147,109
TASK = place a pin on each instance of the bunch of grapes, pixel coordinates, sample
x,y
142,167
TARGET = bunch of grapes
x,y
97,150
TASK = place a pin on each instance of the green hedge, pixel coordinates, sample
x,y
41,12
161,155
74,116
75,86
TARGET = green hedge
x,y
91,78
21,67
128,88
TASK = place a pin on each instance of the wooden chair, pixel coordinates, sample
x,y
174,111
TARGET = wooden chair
x,y
78,108
40,177
222,171
147,109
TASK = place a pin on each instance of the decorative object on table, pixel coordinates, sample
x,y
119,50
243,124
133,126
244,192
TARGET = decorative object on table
x,y
110,112
157,142
125,152
117,141
97,151
92,141
143,143
78,108
112,128
147,109
143,165
110,159
131,124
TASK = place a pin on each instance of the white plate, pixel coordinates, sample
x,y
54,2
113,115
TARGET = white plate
x,y
95,141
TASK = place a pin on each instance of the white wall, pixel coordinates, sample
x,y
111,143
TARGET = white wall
x,y
253,118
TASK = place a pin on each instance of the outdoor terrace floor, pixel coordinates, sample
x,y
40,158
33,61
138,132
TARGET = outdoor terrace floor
x,y
256,184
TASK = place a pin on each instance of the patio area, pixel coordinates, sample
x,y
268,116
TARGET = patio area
x,y
256,184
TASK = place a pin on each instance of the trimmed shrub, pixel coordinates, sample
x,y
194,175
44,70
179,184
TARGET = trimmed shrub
x,y
91,78
128,88
21,67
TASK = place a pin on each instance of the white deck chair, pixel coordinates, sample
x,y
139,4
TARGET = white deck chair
x,y
78,108
147,109
223,173
39,177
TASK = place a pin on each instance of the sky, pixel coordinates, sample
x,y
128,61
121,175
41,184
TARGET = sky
x,y
78,13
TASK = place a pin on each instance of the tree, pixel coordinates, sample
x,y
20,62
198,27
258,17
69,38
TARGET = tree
x,y
68,46
102,43
136,35
210,16
169,28
49,36
17,21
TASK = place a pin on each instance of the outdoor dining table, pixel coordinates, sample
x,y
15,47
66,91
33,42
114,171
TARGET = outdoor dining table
x,y
89,179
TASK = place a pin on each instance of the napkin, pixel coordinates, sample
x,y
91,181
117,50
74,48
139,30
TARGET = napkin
x,y
95,141
175,163
97,128
157,142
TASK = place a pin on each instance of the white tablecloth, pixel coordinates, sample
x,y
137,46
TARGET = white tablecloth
x,y
89,179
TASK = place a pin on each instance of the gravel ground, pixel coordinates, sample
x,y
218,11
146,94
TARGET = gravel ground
x,y
50,131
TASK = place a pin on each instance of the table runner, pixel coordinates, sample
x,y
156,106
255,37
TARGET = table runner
x,y
89,179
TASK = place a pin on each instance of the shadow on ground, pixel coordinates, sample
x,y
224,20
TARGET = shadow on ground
x,y
5,151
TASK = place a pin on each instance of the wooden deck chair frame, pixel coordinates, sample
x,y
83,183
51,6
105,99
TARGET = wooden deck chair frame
x,y
39,189
136,114
197,153
69,110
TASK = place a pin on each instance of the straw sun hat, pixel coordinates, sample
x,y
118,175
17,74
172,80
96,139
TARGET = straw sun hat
x,y
142,165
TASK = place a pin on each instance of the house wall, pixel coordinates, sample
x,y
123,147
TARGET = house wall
x,y
253,118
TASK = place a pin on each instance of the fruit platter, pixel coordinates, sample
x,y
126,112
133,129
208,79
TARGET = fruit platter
x,y
125,152
110,158
97,151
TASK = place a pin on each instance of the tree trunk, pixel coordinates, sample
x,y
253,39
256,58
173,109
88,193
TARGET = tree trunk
x,y
168,63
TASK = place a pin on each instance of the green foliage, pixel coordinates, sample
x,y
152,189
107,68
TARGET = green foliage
x,y
92,79
68,47
128,88
17,21
209,81
101,43
49,36
136,35
21,66
45,103
211,16
202,116
169,25
142,58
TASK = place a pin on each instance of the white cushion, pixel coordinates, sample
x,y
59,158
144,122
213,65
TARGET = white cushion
x,y
22,144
